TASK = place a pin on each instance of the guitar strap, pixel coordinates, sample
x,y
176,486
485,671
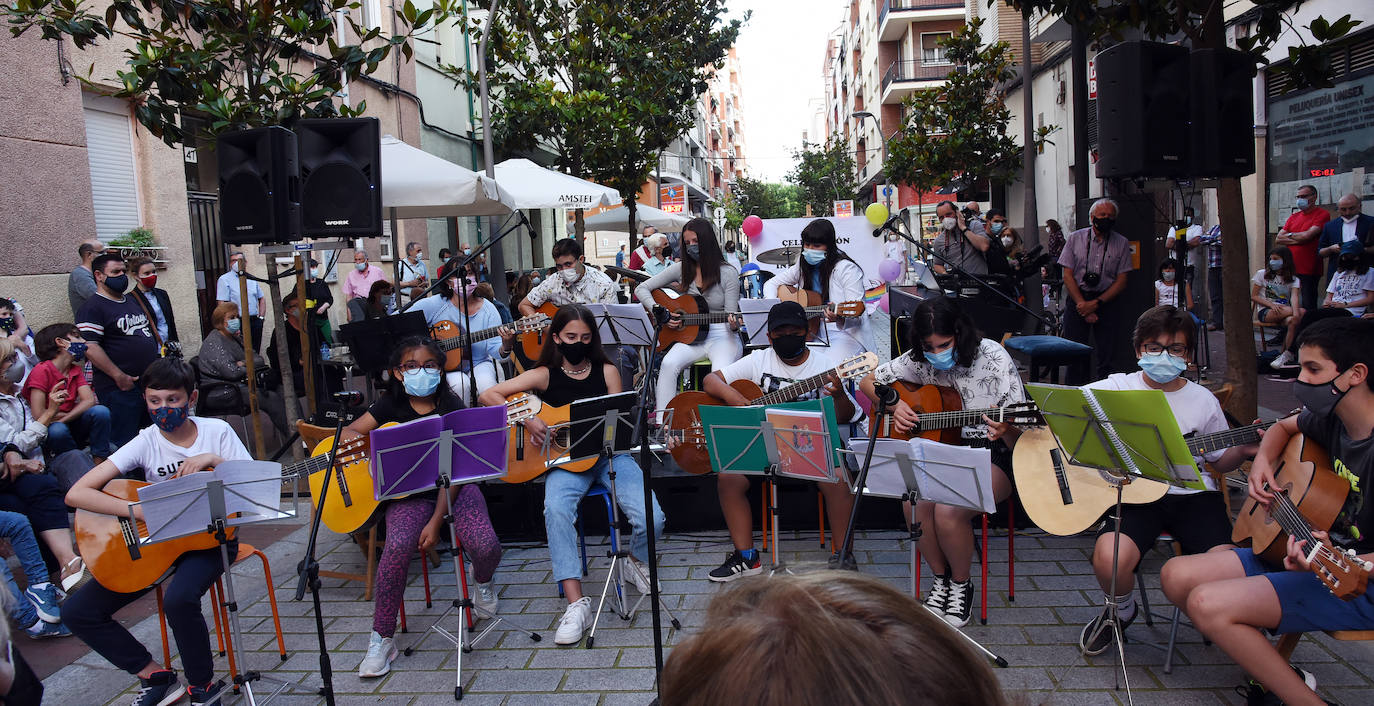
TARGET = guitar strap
x,y
152,323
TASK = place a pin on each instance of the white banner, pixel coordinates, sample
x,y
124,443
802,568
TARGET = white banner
x,y
854,236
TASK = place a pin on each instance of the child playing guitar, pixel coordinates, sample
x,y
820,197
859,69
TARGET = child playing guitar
x,y
1232,596
178,444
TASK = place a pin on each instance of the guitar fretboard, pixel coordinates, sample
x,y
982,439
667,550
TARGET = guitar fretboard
x,y
719,317
957,418
1217,441
795,390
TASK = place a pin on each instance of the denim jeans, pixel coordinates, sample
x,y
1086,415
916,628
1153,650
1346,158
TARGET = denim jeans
x,y
128,413
15,527
564,490
92,427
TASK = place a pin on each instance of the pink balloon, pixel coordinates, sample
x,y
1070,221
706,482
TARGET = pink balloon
x,y
889,270
882,304
752,226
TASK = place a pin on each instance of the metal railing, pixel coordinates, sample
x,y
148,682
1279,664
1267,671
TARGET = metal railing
x,y
899,5
913,70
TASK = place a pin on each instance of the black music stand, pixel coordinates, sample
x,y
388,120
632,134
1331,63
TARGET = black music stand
x,y
371,341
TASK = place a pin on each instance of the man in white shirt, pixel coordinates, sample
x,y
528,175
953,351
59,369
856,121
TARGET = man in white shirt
x,y
227,290
1192,237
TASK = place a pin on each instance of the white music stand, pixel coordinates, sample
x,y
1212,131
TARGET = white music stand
x,y
402,463
235,493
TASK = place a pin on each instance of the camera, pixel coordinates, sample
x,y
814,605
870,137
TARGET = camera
x,y
967,213
1091,280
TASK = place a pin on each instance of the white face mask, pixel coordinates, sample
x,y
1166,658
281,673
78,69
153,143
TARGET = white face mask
x,y
949,223
1006,241
238,266
1351,219
569,275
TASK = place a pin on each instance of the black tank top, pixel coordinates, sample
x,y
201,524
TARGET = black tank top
x,y
564,390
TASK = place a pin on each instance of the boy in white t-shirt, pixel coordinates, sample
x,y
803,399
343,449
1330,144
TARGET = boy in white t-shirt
x,y
1197,519
786,361
178,444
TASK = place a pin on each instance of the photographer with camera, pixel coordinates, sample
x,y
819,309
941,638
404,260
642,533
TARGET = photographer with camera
x,y
1096,261
958,243
973,215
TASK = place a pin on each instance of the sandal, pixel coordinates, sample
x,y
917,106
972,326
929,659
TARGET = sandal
x,y
74,575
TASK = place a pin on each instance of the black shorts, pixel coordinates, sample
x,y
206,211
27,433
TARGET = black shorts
x,y
1198,521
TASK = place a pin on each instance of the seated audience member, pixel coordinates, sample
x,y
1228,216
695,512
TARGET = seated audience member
x,y
1352,285
222,358
80,419
381,297
36,608
14,327
822,638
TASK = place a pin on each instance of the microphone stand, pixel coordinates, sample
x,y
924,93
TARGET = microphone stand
x,y
949,265
887,397
660,316
309,567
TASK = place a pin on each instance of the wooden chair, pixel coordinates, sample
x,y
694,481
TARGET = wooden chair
x,y
1262,328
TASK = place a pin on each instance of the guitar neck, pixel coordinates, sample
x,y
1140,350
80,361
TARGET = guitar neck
x,y
462,340
306,467
719,317
1217,441
795,390
957,418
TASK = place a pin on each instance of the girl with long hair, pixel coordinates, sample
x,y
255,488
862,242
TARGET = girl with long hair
x,y
702,271
825,269
572,366
1275,293
415,390
948,350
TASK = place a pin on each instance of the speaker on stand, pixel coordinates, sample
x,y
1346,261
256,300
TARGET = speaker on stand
x,y
1223,116
258,186
1143,111
341,177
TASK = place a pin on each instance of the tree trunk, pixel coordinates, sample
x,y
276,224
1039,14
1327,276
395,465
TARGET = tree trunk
x,y
630,207
579,224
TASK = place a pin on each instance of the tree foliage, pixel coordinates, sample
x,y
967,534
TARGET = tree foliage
x,y
605,84
769,200
960,127
242,64
824,174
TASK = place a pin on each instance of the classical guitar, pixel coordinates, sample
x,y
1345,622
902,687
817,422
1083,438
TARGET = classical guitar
x,y
815,310
1062,498
685,424
352,502
526,460
453,342
110,547
530,344
696,317
1307,495
942,414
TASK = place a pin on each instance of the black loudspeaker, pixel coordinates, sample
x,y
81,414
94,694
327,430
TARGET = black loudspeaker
x,y
1223,113
258,186
341,177
1143,110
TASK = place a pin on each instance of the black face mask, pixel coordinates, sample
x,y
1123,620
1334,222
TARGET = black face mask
x,y
573,353
119,284
1104,225
790,346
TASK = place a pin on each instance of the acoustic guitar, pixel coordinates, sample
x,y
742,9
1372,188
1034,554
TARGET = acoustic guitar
x,y
526,460
110,546
529,344
696,318
453,342
353,500
815,310
942,414
1063,499
685,425
1308,494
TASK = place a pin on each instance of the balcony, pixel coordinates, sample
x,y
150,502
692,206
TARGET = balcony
x,y
895,15
903,77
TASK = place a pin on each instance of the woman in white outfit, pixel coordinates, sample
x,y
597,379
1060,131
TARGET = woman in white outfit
x,y
702,271
826,269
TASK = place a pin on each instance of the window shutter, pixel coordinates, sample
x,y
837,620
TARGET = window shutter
x,y
114,185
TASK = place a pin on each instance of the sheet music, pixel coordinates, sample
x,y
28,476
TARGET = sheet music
x,y
623,324
181,506
884,474
955,475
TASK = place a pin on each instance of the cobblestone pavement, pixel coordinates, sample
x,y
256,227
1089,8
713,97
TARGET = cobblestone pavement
x,y
1037,634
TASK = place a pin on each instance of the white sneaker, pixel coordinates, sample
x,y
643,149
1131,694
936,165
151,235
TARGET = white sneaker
x,y
637,575
1284,360
574,622
380,652
484,597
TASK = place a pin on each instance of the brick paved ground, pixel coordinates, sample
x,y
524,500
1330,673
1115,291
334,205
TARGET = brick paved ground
x,y
1037,634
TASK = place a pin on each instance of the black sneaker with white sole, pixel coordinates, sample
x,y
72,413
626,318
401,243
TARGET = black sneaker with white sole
x,y
959,606
1097,635
938,595
203,695
161,689
1256,695
734,567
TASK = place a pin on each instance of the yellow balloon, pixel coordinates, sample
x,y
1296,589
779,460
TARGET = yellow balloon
x,y
876,214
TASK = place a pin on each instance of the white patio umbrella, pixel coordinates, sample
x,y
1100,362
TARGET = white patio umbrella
x,y
417,184
533,186
617,219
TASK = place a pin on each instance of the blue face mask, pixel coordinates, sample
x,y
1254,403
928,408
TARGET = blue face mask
x,y
944,360
1276,265
169,418
420,382
77,349
1162,367
813,257
1303,204
234,325
997,227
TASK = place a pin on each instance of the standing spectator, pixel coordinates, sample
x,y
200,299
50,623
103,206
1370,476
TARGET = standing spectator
x,y
444,255
641,254
157,301
81,283
620,256
958,243
1300,233
1054,235
414,272
655,262
999,228
80,419
731,257
120,345
477,268
358,283
1350,233
973,213
1192,243
1214,300
227,291
318,299
1096,261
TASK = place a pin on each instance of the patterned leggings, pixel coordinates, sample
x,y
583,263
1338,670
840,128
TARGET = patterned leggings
x,y
405,518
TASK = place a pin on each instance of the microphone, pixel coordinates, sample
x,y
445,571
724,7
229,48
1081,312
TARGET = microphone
x,y
878,232
887,395
348,398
